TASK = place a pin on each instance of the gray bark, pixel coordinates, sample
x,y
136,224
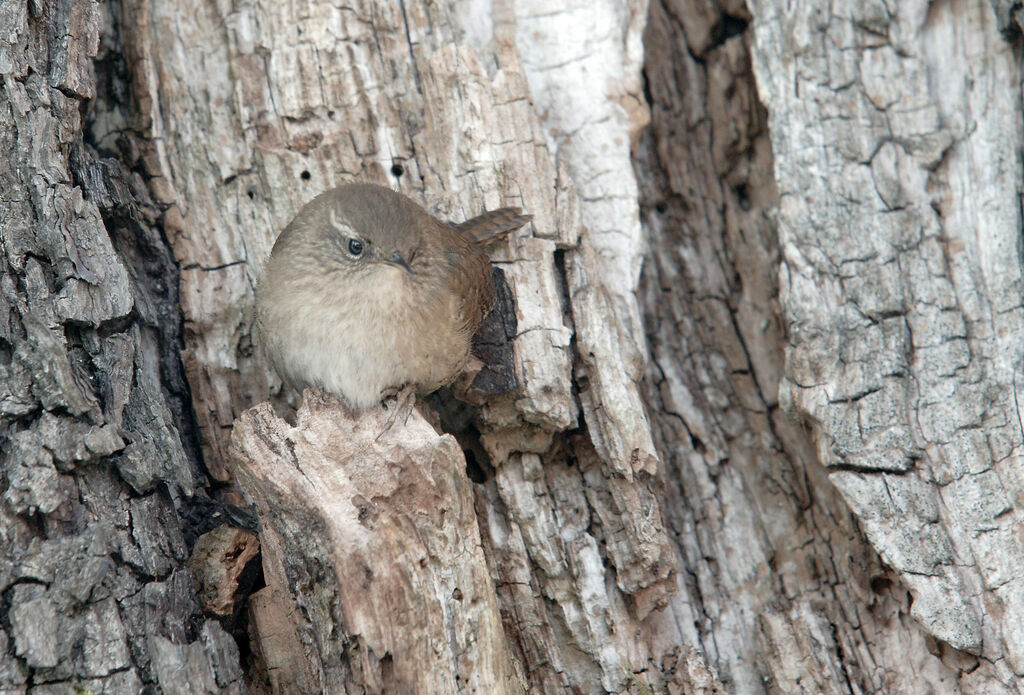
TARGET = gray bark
x,y
98,467
763,431
901,286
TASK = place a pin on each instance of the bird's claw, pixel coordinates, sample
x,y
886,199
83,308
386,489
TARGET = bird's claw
x,y
405,401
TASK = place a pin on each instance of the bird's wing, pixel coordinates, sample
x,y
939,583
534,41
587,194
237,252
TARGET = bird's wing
x,y
493,225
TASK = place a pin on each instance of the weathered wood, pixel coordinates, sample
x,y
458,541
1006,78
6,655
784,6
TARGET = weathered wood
x,y
217,562
283,664
719,487
375,538
780,580
897,143
93,461
306,96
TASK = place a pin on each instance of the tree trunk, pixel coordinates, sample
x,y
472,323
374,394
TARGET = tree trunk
x,y
761,428
97,434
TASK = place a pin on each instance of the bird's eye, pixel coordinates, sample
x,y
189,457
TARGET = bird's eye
x,y
355,247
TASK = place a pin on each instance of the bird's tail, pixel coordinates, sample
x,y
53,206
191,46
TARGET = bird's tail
x,y
491,226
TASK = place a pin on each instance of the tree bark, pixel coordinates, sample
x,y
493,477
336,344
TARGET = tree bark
x,y
763,428
96,428
903,338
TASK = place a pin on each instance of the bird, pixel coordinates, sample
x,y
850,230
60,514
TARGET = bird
x,y
366,295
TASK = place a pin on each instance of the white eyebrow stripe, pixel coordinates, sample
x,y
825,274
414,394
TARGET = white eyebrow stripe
x,y
336,223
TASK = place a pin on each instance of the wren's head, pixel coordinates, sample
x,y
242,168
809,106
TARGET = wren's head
x,y
361,249
359,229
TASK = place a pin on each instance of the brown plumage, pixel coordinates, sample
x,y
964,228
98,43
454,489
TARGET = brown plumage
x,y
365,292
492,225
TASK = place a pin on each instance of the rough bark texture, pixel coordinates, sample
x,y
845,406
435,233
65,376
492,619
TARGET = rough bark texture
x,y
899,174
313,95
373,530
764,435
97,472
782,593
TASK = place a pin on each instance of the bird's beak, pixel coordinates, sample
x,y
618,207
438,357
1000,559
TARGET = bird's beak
x,y
398,259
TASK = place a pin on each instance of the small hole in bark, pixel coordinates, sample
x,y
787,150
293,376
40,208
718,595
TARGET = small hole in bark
x,y
387,672
397,170
457,594
743,196
330,114
880,584
473,469
698,445
245,346
648,95
728,27
661,208
582,383
251,193
305,175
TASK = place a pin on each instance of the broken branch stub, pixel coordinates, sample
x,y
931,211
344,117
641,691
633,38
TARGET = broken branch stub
x,y
375,539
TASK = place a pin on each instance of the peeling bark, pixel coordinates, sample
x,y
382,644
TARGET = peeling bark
x,y
97,470
762,428
899,170
384,95
372,530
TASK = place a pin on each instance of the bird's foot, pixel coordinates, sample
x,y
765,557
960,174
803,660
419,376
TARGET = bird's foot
x,y
405,401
